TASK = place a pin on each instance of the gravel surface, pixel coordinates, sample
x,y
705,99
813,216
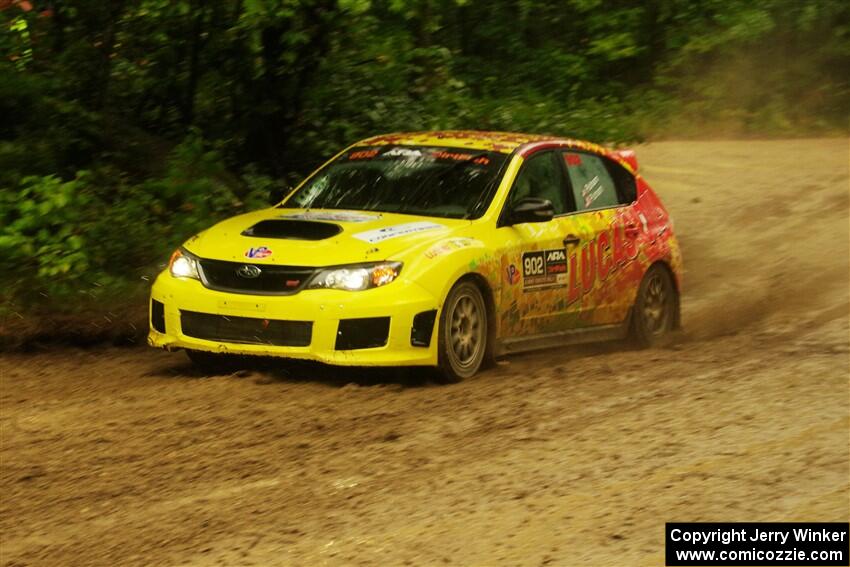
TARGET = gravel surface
x,y
573,457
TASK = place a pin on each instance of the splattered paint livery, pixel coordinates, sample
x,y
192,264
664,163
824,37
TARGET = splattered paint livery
x,y
579,269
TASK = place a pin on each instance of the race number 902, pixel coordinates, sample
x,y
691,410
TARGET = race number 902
x,y
532,265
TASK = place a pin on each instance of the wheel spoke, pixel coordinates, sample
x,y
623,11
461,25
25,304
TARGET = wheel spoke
x,y
656,304
467,307
466,330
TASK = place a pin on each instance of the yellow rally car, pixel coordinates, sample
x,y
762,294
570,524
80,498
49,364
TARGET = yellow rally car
x,y
439,249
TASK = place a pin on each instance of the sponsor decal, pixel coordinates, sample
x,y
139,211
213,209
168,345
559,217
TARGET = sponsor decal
x,y
544,268
447,246
572,160
591,191
386,233
460,156
258,253
599,258
363,154
342,216
512,274
403,153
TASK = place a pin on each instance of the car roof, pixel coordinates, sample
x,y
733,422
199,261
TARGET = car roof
x,y
504,142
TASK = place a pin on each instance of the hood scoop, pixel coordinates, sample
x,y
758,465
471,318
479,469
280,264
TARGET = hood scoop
x,y
293,229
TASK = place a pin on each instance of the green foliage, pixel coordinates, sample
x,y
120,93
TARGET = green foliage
x,y
41,228
127,126
75,240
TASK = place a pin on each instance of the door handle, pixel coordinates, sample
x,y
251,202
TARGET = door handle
x,y
571,239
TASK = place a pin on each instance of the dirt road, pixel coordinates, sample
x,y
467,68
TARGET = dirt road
x,y
127,457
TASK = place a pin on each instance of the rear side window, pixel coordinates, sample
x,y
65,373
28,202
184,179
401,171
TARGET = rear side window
x,y
625,181
592,185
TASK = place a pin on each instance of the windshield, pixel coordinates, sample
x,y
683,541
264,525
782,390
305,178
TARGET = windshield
x,y
428,181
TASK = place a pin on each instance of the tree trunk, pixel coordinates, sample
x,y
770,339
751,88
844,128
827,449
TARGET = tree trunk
x,y
105,67
197,45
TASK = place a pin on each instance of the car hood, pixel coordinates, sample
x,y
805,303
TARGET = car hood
x,y
298,237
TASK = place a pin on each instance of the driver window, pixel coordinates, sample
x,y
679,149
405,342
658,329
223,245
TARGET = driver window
x,y
541,177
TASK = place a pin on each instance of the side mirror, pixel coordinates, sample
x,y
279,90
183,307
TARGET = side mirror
x,y
531,209
276,194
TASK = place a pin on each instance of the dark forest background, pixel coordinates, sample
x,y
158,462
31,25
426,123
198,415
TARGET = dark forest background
x,y
127,125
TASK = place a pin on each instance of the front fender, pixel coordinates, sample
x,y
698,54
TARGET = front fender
x,y
446,261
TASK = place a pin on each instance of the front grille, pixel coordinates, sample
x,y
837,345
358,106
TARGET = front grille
x,y
246,330
271,280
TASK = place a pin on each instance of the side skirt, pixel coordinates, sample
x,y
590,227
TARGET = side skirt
x,y
561,338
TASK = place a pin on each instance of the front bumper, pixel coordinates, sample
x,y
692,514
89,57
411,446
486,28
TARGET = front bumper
x,y
400,301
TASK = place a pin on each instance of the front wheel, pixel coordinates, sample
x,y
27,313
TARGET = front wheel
x,y
656,308
463,332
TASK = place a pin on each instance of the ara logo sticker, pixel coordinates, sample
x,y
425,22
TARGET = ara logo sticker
x,y
555,256
259,252
543,269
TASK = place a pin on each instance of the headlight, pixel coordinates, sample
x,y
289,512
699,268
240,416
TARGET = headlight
x,y
357,277
183,265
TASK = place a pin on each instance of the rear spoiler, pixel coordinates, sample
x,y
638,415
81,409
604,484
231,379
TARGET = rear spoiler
x,y
629,157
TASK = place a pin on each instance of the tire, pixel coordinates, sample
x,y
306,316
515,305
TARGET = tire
x,y
213,363
656,308
463,333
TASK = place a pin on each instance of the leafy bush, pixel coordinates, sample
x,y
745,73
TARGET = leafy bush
x,y
42,234
71,241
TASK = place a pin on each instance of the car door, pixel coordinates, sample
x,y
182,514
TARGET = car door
x,y
533,258
601,233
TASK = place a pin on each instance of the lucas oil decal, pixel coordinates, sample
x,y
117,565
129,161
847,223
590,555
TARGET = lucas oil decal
x,y
258,253
544,268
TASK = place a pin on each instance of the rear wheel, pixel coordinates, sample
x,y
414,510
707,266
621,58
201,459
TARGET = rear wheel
x,y
655,310
463,332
